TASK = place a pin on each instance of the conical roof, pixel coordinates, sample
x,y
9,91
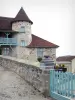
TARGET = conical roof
x,y
22,16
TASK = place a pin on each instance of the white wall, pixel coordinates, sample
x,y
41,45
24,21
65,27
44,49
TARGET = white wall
x,y
73,65
67,65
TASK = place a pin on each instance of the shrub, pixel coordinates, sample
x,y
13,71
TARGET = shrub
x,y
39,59
63,65
56,67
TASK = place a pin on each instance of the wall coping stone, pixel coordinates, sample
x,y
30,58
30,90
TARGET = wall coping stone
x,y
24,61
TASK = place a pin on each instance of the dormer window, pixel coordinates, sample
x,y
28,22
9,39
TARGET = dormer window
x,y
22,29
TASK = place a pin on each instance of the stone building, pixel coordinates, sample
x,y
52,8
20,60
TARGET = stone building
x,y
17,40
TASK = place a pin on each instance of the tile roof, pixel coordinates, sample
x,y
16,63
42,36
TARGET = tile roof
x,y
65,58
5,23
22,16
39,42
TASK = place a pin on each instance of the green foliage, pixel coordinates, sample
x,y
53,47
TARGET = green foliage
x,y
39,59
56,67
59,66
63,65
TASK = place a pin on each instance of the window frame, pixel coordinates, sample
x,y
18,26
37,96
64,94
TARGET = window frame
x,y
6,51
22,29
23,43
39,52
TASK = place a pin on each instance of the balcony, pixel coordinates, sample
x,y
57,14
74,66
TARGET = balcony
x,y
8,41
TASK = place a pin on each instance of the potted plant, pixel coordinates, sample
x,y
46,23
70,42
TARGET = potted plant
x,y
63,66
56,67
39,59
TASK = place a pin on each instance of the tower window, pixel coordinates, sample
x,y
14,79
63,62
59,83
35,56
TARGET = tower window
x,y
22,29
23,43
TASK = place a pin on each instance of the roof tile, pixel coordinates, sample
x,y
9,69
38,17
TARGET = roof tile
x,y
22,16
65,58
5,23
39,42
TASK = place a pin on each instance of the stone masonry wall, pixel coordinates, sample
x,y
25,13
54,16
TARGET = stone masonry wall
x,y
32,74
28,53
22,36
31,53
26,36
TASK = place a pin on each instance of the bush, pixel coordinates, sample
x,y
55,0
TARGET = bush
x,y
63,65
39,59
56,67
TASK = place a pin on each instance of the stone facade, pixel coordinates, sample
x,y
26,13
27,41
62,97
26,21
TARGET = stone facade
x,y
23,52
22,36
19,50
28,53
51,52
31,53
32,74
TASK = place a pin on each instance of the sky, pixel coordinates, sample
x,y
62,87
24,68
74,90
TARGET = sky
x,y
53,20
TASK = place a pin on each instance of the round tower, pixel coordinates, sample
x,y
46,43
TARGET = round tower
x,y
22,24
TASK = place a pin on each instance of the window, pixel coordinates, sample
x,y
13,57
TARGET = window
x,y
6,51
39,52
22,43
22,29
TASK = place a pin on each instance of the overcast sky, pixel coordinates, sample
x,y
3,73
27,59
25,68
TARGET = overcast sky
x,y
53,20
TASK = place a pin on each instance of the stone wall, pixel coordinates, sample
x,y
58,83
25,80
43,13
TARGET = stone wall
x,y
31,53
33,75
28,53
16,26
